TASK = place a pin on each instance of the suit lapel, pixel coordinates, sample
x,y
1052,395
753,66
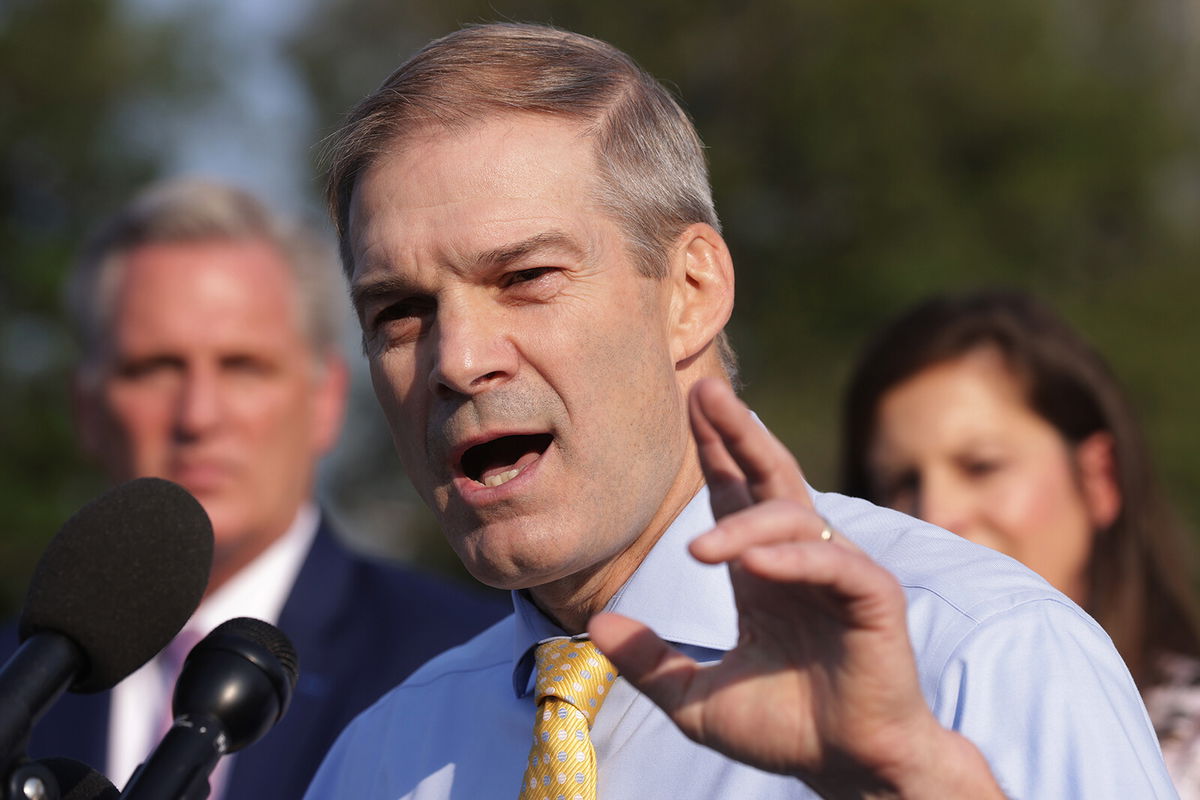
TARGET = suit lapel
x,y
309,618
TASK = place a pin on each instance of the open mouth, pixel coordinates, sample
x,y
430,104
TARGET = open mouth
x,y
499,461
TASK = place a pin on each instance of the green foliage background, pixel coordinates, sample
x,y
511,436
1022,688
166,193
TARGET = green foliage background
x,y
863,155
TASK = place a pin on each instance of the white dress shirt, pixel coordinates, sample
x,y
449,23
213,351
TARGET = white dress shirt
x,y
140,704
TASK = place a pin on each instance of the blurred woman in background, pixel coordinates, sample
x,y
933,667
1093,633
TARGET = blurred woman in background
x,y
987,415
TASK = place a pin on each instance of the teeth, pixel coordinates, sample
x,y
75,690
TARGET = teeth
x,y
502,477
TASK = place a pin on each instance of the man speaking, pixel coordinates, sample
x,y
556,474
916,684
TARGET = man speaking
x,y
529,233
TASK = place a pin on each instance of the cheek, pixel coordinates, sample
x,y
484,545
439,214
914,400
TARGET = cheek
x,y
136,423
627,398
624,350
284,417
390,383
401,402
1040,502
625,401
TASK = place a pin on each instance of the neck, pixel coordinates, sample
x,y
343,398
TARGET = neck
x,y
570,602
573,600
229,561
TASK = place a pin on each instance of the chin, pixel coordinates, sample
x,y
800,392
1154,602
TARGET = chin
x,y
513,553
503,571
230,530
496,575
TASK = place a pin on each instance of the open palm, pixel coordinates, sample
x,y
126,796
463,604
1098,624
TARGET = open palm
x,y
822,683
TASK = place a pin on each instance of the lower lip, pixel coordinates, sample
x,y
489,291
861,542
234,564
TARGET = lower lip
x,y
478,495
199,479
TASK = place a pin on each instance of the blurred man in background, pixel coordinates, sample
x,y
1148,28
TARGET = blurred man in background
x,y
209,332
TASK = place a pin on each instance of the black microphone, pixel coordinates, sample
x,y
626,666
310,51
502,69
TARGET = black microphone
x,y
234,686
114,586
61,779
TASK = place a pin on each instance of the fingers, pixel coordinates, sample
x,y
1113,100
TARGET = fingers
x,y
653,667
769,523
780,542
742,461
727,487
869,595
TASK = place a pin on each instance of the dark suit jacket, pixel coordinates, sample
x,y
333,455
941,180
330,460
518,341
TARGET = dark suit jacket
x,y
360,626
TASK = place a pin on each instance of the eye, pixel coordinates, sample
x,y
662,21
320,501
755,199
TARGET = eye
x,y
400,311
143,368
392,312
246,364
400,320
527,275
980,467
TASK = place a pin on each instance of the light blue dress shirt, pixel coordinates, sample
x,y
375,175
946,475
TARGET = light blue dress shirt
x,y
1002,657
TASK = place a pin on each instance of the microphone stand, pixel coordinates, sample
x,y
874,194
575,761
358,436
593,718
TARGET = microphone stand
x,y
179,767
35,676
47,665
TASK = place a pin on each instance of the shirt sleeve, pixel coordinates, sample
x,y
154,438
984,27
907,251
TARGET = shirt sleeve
x,y
1040,689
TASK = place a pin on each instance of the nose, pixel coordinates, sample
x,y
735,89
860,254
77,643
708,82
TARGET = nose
x,y
944,502
473,350
199,408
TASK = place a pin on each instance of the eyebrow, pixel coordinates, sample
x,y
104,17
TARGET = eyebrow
x,y
547,240
498,257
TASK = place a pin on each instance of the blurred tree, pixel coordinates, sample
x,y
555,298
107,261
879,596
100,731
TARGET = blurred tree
x,y
866,154
863,155
72,76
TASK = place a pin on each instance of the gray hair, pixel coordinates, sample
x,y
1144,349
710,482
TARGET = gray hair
x,y
186,210
653,177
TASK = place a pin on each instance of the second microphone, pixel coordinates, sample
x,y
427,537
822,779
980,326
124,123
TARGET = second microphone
x,y
235,685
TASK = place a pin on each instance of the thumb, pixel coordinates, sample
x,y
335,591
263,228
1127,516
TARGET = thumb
x,y
652,666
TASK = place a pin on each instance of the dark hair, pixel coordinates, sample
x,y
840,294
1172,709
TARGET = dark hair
x,y
1139,588
650,164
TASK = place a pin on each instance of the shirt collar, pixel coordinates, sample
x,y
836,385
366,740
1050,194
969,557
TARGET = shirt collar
x,y
683,601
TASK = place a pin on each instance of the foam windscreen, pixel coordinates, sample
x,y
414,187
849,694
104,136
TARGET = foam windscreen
x,y
122,577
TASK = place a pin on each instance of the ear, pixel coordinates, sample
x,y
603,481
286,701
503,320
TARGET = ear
x,y
701,275
1096,461
329,403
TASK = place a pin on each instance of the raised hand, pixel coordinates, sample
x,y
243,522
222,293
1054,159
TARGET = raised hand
x,y
822,684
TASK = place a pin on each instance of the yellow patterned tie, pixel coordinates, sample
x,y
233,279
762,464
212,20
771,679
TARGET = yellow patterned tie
x,y
573,678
